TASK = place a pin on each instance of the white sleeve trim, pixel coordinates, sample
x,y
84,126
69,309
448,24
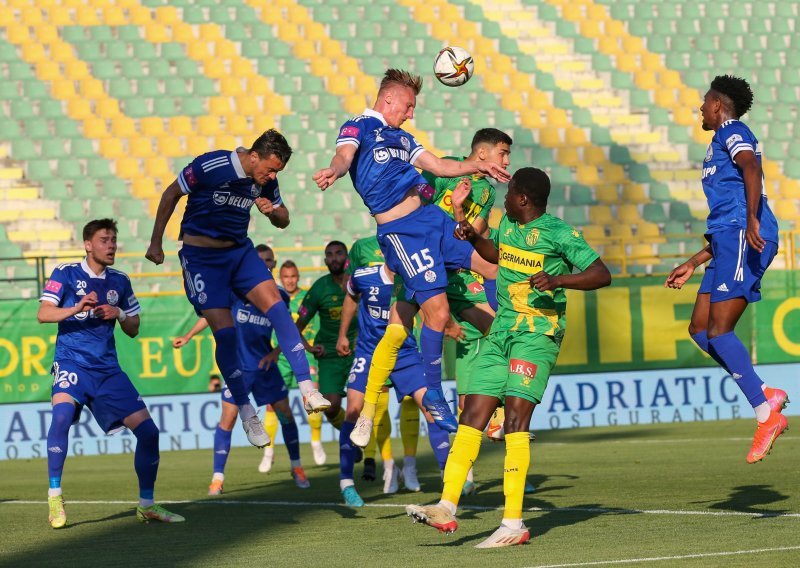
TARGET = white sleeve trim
x,y
346,141
416,154
385,277
182,182
350,288
50,298
741,147
134,311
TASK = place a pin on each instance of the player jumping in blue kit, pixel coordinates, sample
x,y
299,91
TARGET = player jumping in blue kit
x,y
743,240
86,299
219,260
417,242
253,332
369,292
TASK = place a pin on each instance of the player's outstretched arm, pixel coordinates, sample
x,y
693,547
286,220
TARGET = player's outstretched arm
x,y
595,276
753,181
443,167
349,308
483,246
166,207
50,313
340,165
681,274
199,326
278,215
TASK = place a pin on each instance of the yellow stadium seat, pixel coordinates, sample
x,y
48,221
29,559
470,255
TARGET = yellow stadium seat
x,y
572,11
210,32
257,85
296,14
34,52
91,89
47,34
531,118
690,98
139,15
79,108
262,122
86,17
520,81
112,148
594,233
156,33
669,79
551,138
649,232
787,209
226,141
219,106
355,103
590,29
645,80
152,126
684,115
180,126
613,28
643,254
209,125
314,32
123,127
606,194
557,118
230,86
141,147
237,125
440,29
613,173
347,66
628,213
788,188
575,136
593,155
608,44
107,108
586,175
225,50
634,193
128,168
114,16
601,215
214,68
651,61
596,12
338,85
157,167
182,33
365,84
63,90
321,66
632,44
567,156
167,15
196,145
30,16
144,187
627,61
18,35
170,147
620,231
330,48
512,100
247,105
200,51
95,128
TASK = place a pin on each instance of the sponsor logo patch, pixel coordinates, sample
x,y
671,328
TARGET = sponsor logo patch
x,y
430,276
522,367
188,175
53,286
520,260
220,197
349,132
112,297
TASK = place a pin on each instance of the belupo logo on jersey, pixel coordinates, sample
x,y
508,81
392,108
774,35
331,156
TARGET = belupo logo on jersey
x,y
242,316
220,197
381,155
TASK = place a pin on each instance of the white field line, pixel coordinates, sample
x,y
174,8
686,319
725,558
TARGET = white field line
x,y
665,558
601,510
657,441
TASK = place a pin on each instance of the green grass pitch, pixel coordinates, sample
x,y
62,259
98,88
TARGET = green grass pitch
x,y
661,495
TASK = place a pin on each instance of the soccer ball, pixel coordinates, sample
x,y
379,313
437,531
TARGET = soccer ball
x,y
453,66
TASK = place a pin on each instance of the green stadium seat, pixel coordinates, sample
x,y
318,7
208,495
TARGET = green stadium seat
x,y
101,33
19,71
54,148
129,33
55,189
220,15
135,108
115,187
23,149
164,106
22,109
675,228
38,170
101,208
72,211
98,168
203,87
659,192
10,128
147,87
50,108
575,215
131,69
66,128
69,169
74,34
120,88
159,69
192,107
36,129
679,211
85,190
654,213
82,148
172,51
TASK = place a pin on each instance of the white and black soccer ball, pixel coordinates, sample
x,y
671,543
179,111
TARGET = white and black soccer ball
x,y
453,66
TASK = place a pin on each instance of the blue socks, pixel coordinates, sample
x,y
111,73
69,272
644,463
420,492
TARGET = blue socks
x,y
440,443
347,453
222,448
701,338
289,340
228,363
430,344
58,441
146,458
291,438
733,356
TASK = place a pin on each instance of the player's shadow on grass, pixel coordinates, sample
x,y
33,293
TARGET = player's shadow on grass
x,y
115,516
751,499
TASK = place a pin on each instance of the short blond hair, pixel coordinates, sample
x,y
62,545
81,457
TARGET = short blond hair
x,y
401,77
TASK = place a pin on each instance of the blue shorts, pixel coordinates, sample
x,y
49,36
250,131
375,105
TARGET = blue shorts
x,y
210,274
407,378
267,387
109,394
421,248
736,269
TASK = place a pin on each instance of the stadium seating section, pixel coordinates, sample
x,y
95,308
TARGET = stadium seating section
x,y
102,102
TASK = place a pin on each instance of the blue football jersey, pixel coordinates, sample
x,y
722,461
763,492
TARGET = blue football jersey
x,y
253,332
83,338
220,196
383,167
373,309
723,182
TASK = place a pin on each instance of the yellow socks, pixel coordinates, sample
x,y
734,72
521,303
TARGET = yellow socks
x,y
315,422
409,426
464,452
382,428
271,425
515,470
383,361
337,420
